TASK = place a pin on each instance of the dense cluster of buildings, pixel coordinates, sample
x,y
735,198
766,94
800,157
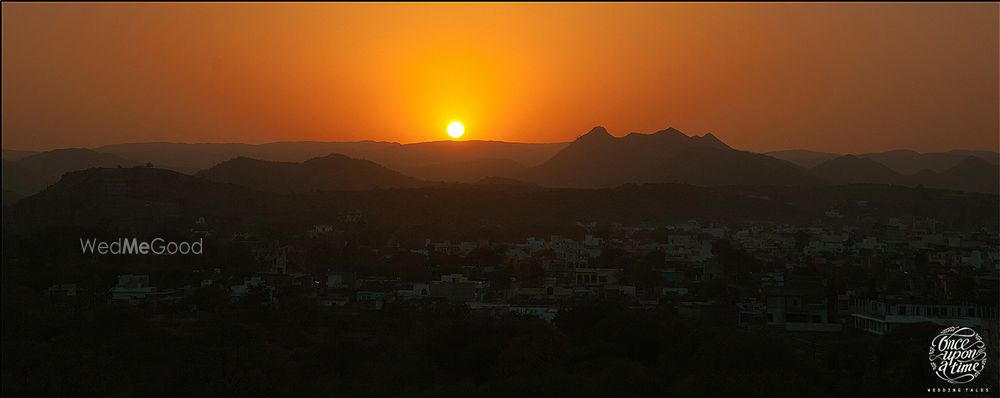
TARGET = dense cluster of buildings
x,y
830,277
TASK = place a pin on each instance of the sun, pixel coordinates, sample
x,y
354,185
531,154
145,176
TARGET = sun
x,y
456,129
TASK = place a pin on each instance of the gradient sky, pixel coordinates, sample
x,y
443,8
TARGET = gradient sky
x,y
831,77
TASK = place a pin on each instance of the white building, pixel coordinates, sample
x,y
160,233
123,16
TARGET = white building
x,y
880,317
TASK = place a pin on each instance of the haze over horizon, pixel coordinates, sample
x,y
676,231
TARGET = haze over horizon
x,y
266,142
762,77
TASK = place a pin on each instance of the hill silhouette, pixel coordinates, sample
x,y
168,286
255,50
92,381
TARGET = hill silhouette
x,y
805,158
333,172
146,199
903,161
10,197
135,198
33,173
405,158
971,174
15,155
910,162
21,180
850,169
598,159
469,171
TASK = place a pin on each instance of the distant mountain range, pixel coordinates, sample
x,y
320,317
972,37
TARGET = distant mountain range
x,y
135,198
970,173
850,169
900,160
599,160
145,201
596,159
32,172
328,173
409,159
910,162
469,171
14,155
804,158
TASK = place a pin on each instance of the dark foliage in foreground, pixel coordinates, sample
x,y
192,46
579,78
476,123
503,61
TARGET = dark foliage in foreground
x,y
85,348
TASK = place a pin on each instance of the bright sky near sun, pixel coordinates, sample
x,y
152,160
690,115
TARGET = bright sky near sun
x,y
833,77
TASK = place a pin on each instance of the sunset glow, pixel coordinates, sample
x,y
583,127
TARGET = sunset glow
x,y
261,199
758,76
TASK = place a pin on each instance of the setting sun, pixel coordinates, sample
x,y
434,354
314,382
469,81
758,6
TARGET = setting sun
x,y
456,129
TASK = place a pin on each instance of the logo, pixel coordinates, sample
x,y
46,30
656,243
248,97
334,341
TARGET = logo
x,y
958,355
157,246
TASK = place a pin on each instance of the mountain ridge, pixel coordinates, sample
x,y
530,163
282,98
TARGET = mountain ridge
x,y
594,159
598,160
32,173
333,172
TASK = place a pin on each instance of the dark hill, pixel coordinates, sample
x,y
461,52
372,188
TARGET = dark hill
x,y
468,171
909,162
971,174
713,167
35,172
850,169
134,198
148,200
804,158
598,159
328,173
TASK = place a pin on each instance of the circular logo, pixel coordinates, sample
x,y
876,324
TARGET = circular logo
x,y
958,355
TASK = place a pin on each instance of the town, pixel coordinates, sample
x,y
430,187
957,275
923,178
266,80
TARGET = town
x,y
868,276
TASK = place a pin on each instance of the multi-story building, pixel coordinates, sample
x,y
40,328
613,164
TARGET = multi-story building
x,y
881,316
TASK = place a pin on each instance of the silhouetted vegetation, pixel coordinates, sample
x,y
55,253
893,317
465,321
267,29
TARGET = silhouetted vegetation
x,y
88,348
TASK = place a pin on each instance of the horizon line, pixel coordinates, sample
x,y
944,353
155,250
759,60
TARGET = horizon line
x,y
98,147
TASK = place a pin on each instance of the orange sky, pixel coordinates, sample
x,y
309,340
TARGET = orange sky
x,y
832,77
